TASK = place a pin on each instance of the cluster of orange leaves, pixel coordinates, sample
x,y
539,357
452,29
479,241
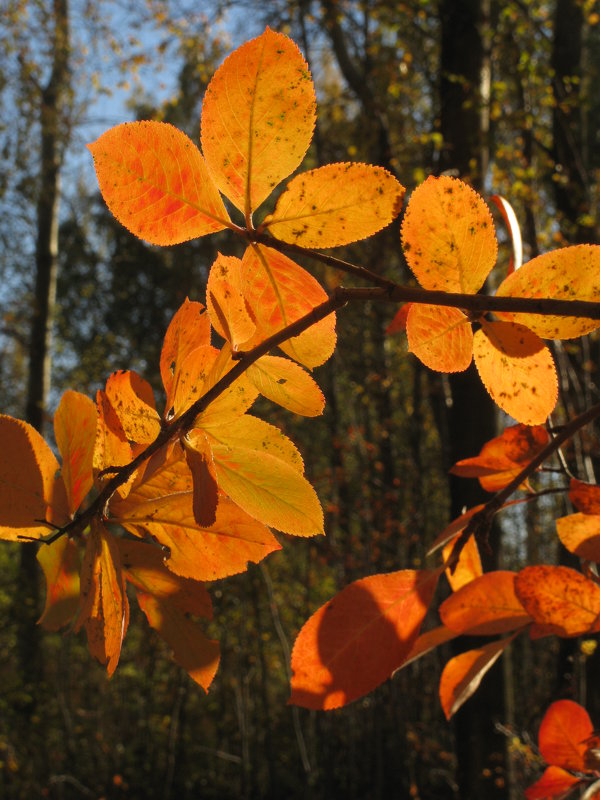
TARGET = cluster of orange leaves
x,y
201,506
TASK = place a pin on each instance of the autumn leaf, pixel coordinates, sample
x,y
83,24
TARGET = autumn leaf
x,y
567,274
154,180
563,733
132,399
285,382
467,568
441,337
258,116
585,496
356,640
561,599
205,492
60,564
486,605
33,499
428,641
188,330
335,205
517,369
231,403
398,323
225,301
111,449
580,534
463,674
554,783
448,236
75,434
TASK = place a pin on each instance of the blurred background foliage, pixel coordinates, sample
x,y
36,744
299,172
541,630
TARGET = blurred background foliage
x,y
503,94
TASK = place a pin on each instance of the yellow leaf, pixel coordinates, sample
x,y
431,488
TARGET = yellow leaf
x,y
154,180
225,301
335,205
440,337
111,448
188,330
517,369
231,403
468,566
258,116
580,534
60,563
31,490
567,274
287,384
133,401
448,236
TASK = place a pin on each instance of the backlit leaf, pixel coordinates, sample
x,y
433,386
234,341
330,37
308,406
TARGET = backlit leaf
x,y
554,784
448,236
287,384
192,649
75,434
132,399
452,530
231,403
585,496
154,180
398,323
335,205
225,302
468,566
580,534
357,639
560,598
189,329
258,116
279,292
563,732
60,563
191,379
514,230
428,641
31,491
570,273
517,369
205,491
486,605
462,675
111,448
441,337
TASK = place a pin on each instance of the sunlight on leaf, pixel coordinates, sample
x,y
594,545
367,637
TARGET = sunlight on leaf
x,y
486,606
75,434
441,337
60,564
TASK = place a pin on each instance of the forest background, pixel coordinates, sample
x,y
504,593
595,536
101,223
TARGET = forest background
x,y
501,94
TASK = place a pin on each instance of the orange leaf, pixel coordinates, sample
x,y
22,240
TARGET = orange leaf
x,y
31,492
468,566
280,292
448,236
580,534
452,530
191,380
133,401
258,116
428,641
563,733
462,675
225,302
189,329
585,496
554,784
287,384
502,458
75,434
154,180
192,649
104,609
517,369
487,605
567,274
60,563
442,338
205,490
356,640
560,598
111,448
335,205
398,324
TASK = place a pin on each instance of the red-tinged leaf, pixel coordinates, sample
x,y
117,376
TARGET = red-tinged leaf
x,y
567,274
580,534
462,675
111,448
555,784
280,292
75,434
189,329
448,236
33,499
398,324
487,605
258,116
468,566
441,337
60,563
154,180
502,458
287,384
585,496
205,492
225,302
104,609
132,399
563,733
145,569
335,205
356,640
514,230
560,598
517,369
192,649
428,641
